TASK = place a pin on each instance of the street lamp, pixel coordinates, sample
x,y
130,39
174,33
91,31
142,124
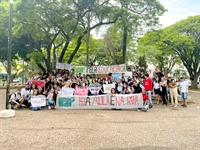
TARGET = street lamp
x,y
9,54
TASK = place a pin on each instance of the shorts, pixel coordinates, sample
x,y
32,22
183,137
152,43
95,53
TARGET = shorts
x,y
157,91
12,103
184,96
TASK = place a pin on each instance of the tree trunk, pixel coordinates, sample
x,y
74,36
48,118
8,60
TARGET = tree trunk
x,y
49,59
194,81
76,49
41,67
63,52
125,34
54,58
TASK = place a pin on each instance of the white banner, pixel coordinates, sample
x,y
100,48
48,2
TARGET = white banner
x,y
128,74
67,91
64,66
38,101
99,101
107,88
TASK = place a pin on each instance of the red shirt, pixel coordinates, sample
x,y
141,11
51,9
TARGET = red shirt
x,y
148,84
145,97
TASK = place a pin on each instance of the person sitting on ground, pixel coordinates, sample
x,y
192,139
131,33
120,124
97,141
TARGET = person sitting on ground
x,y
50,99
16,99
35,93
25,93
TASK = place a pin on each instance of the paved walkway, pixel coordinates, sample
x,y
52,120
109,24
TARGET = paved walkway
x,y
162,128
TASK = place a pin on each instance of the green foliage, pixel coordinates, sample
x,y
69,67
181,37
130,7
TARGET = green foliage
x,y
142,63
181,39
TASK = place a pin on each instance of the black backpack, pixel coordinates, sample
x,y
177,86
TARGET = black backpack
x,y
12,94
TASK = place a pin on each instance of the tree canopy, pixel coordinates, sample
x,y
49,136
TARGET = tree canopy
x,y
181,39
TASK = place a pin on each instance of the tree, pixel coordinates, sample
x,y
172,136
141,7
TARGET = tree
x,y
142,63
161,59
137,16
183,40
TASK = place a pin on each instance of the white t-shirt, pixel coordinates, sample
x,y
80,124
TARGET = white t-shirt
x,y
156,85
15,96
151,74
183,86
25,92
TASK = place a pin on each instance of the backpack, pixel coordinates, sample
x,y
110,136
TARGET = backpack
x,y
11,95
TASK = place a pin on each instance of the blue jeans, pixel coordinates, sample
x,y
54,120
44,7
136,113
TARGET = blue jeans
x,y
149,96
50,103
35,108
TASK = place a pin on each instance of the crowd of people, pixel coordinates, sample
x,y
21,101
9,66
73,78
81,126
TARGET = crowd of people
x,y
50,84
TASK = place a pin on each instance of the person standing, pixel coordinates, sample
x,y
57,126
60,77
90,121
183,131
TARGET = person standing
x,y
173,92
184,91
163,89
148,86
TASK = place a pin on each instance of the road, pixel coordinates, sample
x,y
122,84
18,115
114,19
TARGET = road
x,y
162,128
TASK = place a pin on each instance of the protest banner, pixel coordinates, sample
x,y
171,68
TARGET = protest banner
x,y
39,83
67,91
38,101
64,66
60,66
100,69
95,88
128,74
81,91
107,87
100,101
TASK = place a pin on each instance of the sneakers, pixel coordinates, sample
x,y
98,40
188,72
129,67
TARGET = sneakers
x,y
138,110
184,105
49,107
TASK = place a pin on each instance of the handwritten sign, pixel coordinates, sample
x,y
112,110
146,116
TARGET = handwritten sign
x,y
128,74
95,88
38,101
107,87
100,101
100,69
64,66
67,91
117,76
81,91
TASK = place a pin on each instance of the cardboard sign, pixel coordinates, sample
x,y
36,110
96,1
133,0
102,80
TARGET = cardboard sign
x,y
100,101
81,91
64,66
107,87
117,76
67,91
38,101
128,74
95,88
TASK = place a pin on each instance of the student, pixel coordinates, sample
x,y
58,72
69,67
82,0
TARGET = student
x,y
50,99
156,87
184,91
145,101
35,93
25,93
163,88
148,87
16,99
173,92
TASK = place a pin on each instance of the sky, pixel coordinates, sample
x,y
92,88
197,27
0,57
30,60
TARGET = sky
x,y
176,11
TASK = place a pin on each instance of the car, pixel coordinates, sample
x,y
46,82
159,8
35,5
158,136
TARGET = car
x,y
16,80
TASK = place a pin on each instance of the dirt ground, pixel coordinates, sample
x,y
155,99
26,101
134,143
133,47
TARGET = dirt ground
x,y
162,128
